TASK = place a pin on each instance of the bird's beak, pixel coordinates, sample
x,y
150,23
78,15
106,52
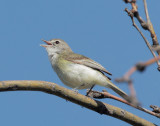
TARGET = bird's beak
x,y
47,42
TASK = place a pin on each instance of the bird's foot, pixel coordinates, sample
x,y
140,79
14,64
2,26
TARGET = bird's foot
x,y
75,90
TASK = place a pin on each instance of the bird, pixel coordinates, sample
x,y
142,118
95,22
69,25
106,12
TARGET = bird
x,y
78,71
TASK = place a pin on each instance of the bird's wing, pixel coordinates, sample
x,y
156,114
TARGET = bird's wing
x,y
80,59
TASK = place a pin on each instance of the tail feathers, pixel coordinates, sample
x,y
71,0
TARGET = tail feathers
x,y
119,91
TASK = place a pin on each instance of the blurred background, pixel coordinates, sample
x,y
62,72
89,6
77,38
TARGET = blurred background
x,y
100,30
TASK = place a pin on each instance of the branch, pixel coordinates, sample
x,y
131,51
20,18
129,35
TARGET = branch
x,y
137,67
141,66
150,27
145,25
104,94
146,41
156,109
97,106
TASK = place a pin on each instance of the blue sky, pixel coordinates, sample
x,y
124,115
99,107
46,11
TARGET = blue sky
x,y
100,30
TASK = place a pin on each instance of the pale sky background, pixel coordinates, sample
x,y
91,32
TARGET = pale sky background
x,y
100,30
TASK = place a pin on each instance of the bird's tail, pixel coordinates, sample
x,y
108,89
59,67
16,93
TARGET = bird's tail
x,y
118,91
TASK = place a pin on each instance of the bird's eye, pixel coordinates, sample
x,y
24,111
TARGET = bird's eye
x,y
57,42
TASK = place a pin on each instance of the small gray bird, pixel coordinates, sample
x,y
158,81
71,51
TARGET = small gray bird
x,y
77,71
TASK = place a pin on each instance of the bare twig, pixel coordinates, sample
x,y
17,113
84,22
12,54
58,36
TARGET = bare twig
x,y
157,48
156,109
146,12
150,27
77,98
132,90
100,95
145,25
138,67
146,41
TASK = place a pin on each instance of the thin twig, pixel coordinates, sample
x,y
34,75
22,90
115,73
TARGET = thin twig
x,y
155,108
151,61
100,95
132,91
139,66
150,27
145,25
146,11
146,41
130,72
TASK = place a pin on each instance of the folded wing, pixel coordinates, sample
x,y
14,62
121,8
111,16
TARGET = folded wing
x,y
80,59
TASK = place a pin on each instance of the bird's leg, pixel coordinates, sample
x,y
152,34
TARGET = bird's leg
x,y
90,90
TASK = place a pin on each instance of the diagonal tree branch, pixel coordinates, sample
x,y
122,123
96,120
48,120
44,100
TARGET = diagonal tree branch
x,y
146,25
146,41
74,97
150,27
105,94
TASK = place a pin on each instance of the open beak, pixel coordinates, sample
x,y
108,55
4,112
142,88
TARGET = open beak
x,y
47,42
